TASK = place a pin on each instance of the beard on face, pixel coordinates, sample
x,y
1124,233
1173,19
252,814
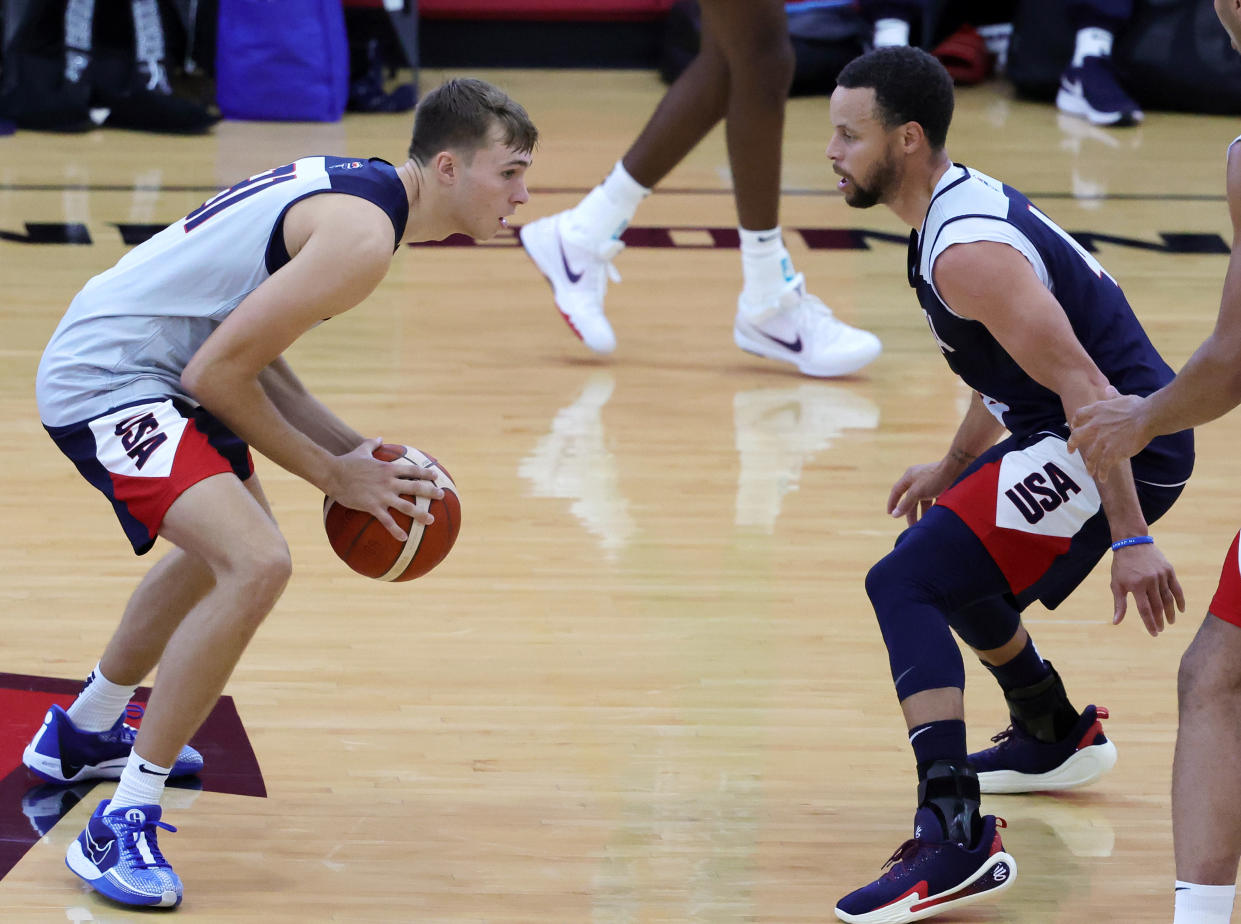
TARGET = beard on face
x,y
861,196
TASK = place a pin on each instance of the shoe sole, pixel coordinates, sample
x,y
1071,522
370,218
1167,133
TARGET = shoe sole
x,y
983,884
85,870
538,258
1084,767
768,351
49,769
1074,105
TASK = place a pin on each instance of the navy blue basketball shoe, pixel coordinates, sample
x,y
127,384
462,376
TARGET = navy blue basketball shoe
x,y
929,875
62,753
1093,93
1019,762
118,855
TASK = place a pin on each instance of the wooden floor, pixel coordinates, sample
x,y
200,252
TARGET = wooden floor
x,y
647,685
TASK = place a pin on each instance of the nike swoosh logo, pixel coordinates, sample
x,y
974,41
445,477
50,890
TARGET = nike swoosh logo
x,y
142,768
568,270
903,675
793,346
1181,889
768,239
918,732
1071,86
96,853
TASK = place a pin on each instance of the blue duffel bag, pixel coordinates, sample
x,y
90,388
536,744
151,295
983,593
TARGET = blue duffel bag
x,y
282,60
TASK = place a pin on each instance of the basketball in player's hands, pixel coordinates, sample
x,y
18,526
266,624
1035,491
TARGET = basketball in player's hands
x,y
366,546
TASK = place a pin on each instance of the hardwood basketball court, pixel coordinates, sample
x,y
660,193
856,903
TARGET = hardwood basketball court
x,y
647,685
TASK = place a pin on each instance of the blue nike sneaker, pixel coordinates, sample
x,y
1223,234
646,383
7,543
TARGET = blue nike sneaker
x,y
929,875
62,753
1019,762
117,854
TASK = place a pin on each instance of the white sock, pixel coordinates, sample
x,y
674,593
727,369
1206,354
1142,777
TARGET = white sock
x,y
100,703
142,783
1203,904
1092,42
766,266
890,32
607,209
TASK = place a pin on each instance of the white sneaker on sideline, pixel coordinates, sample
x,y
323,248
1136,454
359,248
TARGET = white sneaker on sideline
x,y
801,330
578,276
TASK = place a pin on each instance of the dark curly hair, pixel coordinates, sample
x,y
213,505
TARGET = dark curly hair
x,y
910,86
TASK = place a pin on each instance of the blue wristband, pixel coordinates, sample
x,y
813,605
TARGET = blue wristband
x,y
1136,540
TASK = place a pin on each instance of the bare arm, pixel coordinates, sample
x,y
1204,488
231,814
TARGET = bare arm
x,y
1208,387
915,491
994,284
304,411
342,247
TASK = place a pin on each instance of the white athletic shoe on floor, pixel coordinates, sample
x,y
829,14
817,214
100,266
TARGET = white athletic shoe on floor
x,y
578,275
802,330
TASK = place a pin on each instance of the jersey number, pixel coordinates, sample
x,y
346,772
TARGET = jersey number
x,y
234,194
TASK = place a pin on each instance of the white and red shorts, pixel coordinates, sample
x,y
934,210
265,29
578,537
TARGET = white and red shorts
x,y
1226,604
143,456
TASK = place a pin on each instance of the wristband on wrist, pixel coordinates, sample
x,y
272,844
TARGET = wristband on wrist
x,y
1135,540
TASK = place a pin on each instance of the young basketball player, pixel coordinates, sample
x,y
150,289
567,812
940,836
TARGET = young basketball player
x,y
1038,329
741,74
1206,790
164,371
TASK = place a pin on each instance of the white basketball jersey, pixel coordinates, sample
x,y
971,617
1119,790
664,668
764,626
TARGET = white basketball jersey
x,y
129,333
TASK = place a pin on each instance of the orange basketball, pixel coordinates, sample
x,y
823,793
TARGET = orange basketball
x,y
365,546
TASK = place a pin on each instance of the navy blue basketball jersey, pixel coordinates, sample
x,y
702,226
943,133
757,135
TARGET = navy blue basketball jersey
x,y
969,206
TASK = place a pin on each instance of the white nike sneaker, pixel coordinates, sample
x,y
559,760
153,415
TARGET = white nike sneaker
x,y
578,276
801,330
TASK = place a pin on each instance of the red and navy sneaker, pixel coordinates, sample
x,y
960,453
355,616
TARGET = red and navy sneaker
x,y
1019,762
60,752
929,875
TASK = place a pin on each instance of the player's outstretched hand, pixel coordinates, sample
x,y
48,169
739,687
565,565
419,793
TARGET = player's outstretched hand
x,y
916,490
1108,432
372,486
1142,570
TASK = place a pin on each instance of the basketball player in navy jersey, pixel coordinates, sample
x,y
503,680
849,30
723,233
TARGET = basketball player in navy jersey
x,y
1206,788
1038,329
168,367
741,74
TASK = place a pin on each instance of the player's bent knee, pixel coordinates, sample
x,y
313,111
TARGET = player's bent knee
x,y
887,577
262,576
1209,672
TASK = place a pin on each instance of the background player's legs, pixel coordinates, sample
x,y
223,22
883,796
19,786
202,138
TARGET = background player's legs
x,y
755,41
776,317
693,105
574,249
1206,787
742,73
